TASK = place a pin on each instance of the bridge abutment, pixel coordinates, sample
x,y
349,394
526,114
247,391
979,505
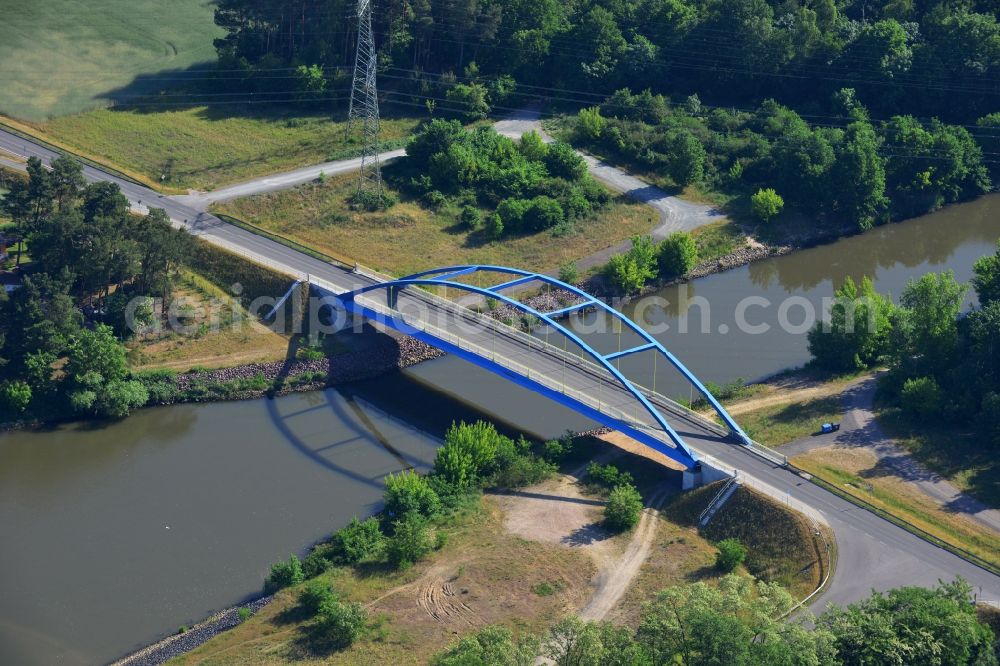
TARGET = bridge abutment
x,y
703,475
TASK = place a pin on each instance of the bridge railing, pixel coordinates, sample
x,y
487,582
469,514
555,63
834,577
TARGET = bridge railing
x,y
605,384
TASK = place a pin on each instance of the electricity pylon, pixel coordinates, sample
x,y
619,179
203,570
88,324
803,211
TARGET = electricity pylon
x,y
364,102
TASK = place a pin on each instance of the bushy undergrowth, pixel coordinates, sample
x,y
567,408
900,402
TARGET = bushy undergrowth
x,y
529,186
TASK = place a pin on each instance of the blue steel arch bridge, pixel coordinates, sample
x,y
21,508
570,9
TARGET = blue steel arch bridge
x,y
574,374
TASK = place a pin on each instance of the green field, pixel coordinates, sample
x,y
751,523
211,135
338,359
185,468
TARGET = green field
x,y
65,56
202,148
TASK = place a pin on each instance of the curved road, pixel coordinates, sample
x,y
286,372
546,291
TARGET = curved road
x,y
873,553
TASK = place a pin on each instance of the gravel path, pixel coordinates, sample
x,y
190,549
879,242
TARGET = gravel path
x,y
613,581
675,214
859,428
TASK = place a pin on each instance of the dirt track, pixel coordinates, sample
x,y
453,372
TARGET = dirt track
x,y
557,512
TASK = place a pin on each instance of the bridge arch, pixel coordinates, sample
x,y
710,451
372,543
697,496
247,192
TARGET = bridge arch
x,y
446,277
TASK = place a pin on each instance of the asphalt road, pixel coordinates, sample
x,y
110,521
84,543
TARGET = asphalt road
x,y
280,181
873,553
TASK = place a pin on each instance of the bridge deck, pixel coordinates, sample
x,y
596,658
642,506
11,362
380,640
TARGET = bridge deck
x,y
872,551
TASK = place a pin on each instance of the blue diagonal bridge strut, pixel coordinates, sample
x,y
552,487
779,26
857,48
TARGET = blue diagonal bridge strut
x,y
445,277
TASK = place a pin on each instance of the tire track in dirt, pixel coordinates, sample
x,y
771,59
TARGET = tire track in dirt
x,y
441,600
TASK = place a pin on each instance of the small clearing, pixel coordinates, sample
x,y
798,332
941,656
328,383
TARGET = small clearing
x,y
557,511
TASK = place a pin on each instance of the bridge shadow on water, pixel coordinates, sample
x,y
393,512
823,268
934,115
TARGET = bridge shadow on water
x,y
367,429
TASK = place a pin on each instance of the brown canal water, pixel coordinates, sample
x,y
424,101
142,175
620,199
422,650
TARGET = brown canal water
x,y
114,535
779,294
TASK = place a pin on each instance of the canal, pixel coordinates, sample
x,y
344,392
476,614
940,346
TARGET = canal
x,y
115,534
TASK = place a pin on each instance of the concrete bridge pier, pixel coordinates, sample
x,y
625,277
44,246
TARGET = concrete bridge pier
x,y
703,474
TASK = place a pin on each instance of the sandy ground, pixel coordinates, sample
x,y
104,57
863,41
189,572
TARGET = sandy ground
x,y
558,512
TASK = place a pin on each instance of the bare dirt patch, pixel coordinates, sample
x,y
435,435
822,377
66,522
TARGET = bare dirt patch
x,y
558,511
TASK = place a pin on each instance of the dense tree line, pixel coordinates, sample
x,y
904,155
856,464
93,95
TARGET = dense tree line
x,y
94,256
902,56
862,172
945,364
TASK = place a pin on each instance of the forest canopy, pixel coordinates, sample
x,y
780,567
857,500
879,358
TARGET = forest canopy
x,y
914,57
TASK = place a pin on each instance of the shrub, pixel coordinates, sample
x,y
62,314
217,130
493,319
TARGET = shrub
x,y
371,200
409,542
576,205
244,613
472,100
314,595
687,158
766,204
590,123
358,541
284,574
564,162
511,212
472,217
730,555
15,395
532,146
491,646
436,137
623,508
608,476
921,397
502,87
525,470
625,274
569,273
319,559
494,225
161,392
338,624
435,199
542,213
118,398
677,254
469,453
556,450
989,418
630,271
82,400
408,492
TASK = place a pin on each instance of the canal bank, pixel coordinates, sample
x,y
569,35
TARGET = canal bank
x,y
91,572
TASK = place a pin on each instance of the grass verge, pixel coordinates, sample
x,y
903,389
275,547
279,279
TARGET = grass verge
x,y
778,424
954,452
781,544
32,133
204,147
855,475
217,333
718,240
410,237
